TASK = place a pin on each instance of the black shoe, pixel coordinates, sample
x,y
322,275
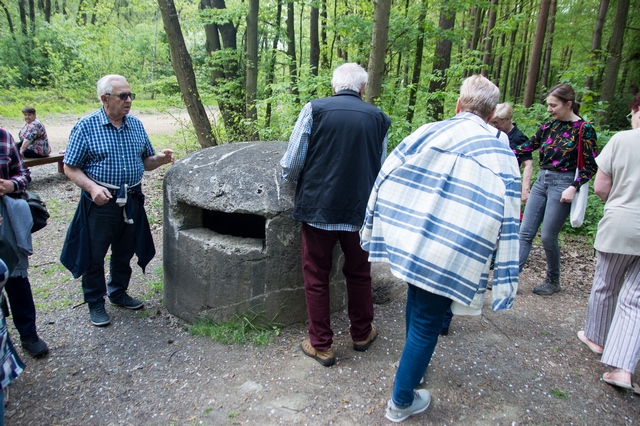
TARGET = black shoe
x,y
548,287
34,345
444,331
126,301
98,315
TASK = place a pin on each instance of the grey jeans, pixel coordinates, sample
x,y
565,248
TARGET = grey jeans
x,y
544,207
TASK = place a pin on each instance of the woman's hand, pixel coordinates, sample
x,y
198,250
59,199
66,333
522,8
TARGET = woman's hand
x,y
568,194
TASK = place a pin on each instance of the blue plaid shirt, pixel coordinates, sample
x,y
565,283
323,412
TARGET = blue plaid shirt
x,y
107,154
293,160
439,204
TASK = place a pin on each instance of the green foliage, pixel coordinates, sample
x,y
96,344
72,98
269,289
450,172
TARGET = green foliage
x,y
246,327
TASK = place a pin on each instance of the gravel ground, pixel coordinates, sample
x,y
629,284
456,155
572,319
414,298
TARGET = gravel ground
x,y
523,366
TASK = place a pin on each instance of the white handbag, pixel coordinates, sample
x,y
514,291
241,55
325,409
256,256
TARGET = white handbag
x,y
579,202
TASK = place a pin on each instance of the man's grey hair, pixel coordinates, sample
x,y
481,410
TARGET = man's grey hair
x,y
479,96
104,84
349,76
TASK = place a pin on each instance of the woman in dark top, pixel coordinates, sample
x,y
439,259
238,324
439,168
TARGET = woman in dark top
x,y
502,120
549,203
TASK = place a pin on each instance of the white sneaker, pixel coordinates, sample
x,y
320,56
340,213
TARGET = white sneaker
x,y
421,401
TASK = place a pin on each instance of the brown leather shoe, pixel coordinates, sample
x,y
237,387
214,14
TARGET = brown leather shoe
x,y
326,358
364,345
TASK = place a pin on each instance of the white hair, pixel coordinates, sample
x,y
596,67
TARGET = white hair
x,y
503,111
349,76
479,96
104,84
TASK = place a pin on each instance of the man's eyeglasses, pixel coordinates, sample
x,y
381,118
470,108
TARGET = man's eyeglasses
x,y
123,96
629,116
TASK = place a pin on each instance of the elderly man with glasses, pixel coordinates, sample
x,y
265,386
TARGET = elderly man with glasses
x,y
107,155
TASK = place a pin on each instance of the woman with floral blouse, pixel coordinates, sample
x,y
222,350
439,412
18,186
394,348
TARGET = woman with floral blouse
x,y
33,136
550,199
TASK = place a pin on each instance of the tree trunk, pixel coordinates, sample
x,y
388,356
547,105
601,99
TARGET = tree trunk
x,y
547,52
32,19
9,21
251,83
379,37
417,63
183,69
536,54
596,42
272,64
613,63
442,57
227,78
314,41
324,59
23,17
291,50
488,43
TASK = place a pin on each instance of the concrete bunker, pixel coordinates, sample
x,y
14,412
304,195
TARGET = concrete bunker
x,y
229,243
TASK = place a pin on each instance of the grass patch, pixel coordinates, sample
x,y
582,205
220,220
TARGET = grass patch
x,y
559,394
247,327
143,314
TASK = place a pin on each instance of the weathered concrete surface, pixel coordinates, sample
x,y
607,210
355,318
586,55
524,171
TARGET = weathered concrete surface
x,y
210,274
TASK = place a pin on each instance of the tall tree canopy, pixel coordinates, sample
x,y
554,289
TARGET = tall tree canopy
x,y
258,62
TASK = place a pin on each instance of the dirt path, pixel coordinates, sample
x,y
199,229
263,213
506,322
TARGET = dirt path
x,y
523,366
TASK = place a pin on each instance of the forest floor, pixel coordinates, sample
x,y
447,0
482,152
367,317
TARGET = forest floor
x,y
516,367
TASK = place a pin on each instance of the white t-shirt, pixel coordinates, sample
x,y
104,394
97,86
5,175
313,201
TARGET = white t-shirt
x,y
619,229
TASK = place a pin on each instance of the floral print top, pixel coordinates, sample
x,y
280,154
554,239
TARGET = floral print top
x,y
37,135
558,145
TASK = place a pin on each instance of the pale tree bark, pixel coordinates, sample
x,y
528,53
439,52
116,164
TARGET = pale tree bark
x,y
596,42
546,64
379,38
291,49
613,62
417,63
272,64
183,68
488,39
536,54
251,82
314,40
442,57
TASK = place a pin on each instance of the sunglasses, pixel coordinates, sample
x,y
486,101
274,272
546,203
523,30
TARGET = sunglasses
x,y
123,96
629,116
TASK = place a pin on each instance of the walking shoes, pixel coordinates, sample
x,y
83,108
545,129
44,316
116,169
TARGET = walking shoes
x,y
326,358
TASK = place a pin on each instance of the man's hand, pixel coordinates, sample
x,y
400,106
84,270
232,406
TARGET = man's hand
x,y
568,194
166,156
6,186
100,195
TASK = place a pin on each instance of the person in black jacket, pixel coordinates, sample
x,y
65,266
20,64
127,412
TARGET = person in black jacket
x,y
335,152
502,119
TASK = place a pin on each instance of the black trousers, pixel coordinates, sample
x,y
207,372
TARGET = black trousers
x,y
23,310
107,228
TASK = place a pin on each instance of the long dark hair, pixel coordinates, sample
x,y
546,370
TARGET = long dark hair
x,y
565,93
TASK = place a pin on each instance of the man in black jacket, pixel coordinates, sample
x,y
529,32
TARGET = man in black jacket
x,y
335,152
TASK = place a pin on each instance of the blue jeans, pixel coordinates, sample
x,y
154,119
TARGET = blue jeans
x,y
424,315
544,207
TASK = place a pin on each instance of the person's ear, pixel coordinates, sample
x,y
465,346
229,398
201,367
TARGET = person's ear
x,y
491,114
458,109
362,89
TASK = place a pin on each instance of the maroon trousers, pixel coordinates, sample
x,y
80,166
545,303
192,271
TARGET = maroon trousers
x,y
317,254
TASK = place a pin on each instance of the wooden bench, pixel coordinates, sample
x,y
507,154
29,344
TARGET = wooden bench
x,y
53,158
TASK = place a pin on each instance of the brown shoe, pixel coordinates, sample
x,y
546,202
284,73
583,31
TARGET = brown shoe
x,y
326,358
364,345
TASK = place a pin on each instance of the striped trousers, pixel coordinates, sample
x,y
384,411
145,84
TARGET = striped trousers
x,y
613,314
